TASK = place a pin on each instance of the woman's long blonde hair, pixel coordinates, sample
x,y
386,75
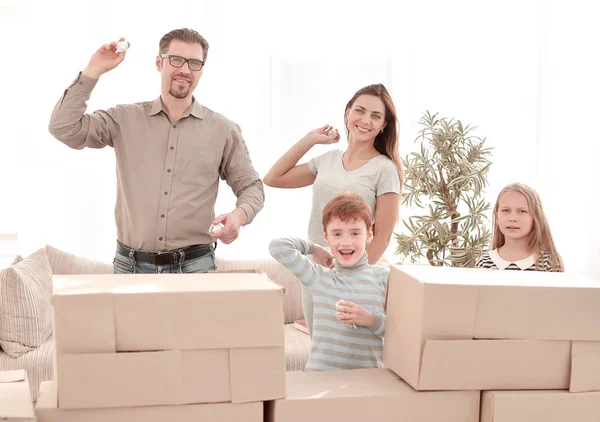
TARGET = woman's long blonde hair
x,y
540,238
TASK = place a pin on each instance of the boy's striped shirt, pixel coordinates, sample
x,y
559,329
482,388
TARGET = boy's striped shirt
x,y
336,346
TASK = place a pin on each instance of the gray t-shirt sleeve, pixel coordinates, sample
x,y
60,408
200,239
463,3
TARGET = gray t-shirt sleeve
x,y
389,181
315,163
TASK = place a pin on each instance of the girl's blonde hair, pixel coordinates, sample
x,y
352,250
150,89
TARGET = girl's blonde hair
x,y
540,238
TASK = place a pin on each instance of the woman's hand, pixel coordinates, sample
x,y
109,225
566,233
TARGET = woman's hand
x,y
323,135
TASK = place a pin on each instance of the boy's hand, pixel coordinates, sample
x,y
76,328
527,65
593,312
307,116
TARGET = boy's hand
x,y
350,313
323,257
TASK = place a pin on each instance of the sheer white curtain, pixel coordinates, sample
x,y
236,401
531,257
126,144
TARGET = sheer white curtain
x,y
569,142
280,70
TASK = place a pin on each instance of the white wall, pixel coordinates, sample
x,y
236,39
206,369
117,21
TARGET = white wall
x,y
524,72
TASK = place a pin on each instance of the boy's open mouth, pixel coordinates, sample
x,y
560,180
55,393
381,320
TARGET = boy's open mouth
x,y
346,252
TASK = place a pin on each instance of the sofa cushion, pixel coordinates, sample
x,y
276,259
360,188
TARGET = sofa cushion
x,y
297,348
292,301
66,263
25,307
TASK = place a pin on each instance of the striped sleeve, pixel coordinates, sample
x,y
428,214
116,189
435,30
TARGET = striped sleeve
x,y
292,253
378,325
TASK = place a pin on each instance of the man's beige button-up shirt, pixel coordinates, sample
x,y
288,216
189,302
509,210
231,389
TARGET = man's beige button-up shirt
x,y
167,171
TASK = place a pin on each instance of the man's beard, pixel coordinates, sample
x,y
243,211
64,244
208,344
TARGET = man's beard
x,y
179,94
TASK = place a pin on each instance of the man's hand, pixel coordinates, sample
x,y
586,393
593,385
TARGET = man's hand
x,y
350,313
104,59
232,223
323,257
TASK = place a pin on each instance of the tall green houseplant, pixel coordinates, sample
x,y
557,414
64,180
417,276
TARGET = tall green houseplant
x,y
446,180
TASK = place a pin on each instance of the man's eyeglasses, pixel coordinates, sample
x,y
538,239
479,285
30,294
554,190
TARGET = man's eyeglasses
x,y
177,61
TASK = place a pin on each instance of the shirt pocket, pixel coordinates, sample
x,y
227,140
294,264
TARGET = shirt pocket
x,y
200,166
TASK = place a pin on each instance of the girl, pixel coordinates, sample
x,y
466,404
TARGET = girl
x,y
521,235
369,167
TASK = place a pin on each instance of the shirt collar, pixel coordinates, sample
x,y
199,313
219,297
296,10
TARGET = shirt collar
x,y
523,264
195,109
361,262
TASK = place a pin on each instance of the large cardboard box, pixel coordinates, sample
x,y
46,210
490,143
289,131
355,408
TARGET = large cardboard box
x,y
585,366
540,406
15,397
170,377
151,340
367,395
47,411
108,313
438,318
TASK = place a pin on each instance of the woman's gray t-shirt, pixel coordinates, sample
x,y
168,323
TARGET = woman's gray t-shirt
x,y
376,177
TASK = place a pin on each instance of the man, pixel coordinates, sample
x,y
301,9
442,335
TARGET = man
x,y
170,154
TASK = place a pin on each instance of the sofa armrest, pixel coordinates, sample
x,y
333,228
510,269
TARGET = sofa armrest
x,y
292,301
66,263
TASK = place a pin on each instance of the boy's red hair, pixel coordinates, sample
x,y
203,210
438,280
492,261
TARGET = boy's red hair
x,y
346,207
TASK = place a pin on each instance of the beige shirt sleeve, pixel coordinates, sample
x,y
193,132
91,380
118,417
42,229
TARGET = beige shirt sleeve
x,y
70,125
237,170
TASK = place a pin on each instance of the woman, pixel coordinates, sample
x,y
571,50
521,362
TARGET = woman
x,y
370,167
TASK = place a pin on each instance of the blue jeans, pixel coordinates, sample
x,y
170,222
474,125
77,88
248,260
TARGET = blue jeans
x,y
129,265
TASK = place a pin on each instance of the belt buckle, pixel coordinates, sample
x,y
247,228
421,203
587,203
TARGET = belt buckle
x,y
175,255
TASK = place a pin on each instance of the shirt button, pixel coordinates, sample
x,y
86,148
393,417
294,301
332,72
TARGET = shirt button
x,y
160,238
162,216
80,82
172,148
168,170
174,126
166,192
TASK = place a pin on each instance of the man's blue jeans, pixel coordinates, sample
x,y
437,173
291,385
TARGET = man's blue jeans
x,y
129,265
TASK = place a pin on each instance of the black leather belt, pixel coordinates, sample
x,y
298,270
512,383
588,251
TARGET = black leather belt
x,y
166,257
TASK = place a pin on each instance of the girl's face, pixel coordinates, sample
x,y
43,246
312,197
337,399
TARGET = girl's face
x,y
514,217
366,118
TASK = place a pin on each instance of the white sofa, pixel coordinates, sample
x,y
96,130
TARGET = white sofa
x,y
38,362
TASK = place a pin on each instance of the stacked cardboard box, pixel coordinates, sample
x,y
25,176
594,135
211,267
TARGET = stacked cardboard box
x,y
472,329
15,397
455,336
150,347
365,395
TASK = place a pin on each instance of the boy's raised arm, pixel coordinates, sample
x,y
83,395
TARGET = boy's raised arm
x,y
292,253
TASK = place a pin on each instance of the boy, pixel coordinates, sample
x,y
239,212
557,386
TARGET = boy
x,y
349,297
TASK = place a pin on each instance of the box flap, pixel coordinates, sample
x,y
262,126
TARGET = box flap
x,y
544,406
47,398
257,374
367,394
15,396
46,412
585,366
495,365
404,325
13,376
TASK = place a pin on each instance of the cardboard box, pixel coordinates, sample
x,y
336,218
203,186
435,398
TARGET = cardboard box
x,y
367,395
585,366
499,305
432,314
15,397
539,406
122,313
174,377
48,411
